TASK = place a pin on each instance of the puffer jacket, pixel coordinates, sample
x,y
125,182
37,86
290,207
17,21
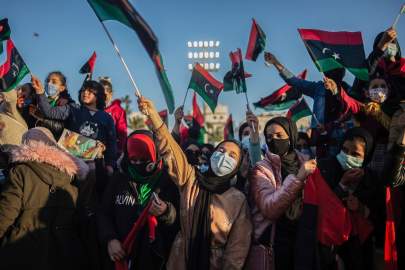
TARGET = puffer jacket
x,y
270,196
231,226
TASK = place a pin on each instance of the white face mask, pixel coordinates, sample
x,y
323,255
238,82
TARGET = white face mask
x,y
391,50
51,90
222,164
378,94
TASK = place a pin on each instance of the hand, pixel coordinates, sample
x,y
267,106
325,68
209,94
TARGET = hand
x,y
158,208
115,250
253,122
20,102
352,176
145,106
245,165
179,114
389,35
330,85
306,169
270,59
37,85
353,203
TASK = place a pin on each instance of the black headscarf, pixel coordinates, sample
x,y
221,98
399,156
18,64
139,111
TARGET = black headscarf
x,y
200,235
366,136
289,162
241,128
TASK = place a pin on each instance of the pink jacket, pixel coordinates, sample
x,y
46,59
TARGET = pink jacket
x,y
269,198
120,121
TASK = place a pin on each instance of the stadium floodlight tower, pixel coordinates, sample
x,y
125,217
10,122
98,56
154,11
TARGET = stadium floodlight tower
x,y
205,52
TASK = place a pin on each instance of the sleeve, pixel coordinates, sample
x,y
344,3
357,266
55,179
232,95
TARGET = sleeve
x,y
180,171
373,109
353,104
308,88
255,153
106,230
373,60
394,166
122,131
111,144
272,202
56,113
240,237
11,200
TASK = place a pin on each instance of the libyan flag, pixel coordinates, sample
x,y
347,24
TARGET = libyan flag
x,y
331,50
88,67
5,32
257,42
206,86
123,12
235,78
228,129
13,70
283,98
299,110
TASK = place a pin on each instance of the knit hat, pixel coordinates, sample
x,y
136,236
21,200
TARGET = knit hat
x,y
39,134
142,147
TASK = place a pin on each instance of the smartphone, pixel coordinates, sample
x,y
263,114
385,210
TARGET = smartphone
x,y
157,200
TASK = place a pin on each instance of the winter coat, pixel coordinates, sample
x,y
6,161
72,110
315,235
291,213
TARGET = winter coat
x,y
120,209
230,227
270,196
38,208
119,116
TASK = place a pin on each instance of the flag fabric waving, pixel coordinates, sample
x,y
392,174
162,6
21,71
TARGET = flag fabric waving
x,y
235,78
88,67
257,42
299,110
197,115
13,70
122,11
331,50
281,99
5,32
206,86
228,129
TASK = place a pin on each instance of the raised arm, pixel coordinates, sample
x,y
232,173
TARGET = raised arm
x,y
178,167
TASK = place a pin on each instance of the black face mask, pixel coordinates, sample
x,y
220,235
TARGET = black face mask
x,y
279,146
143,169
192,157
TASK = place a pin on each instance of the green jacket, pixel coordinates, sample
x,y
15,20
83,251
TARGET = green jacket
x,y
38,210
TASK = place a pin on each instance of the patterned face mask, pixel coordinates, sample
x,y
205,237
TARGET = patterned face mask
x,y
378,94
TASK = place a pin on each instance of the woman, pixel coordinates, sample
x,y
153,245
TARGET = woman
x,y
214,217
38,206
141,173
276,188
361,192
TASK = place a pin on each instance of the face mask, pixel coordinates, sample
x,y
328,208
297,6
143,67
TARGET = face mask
x,y
245,142
27,102
392,50
306,151
204,168
279,146
222,164
51,90
141,170
378,95
349,162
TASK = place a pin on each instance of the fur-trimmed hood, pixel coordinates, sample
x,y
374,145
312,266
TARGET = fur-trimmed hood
x,y
37,151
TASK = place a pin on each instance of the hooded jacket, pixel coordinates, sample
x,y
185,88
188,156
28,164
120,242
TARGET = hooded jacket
x,y
119,116
38,209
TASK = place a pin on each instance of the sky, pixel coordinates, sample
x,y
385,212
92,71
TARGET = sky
x,y
69,32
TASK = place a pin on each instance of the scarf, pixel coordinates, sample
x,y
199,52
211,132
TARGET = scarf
x,y
200,235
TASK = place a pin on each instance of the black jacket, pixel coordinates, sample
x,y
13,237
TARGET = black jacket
x,y
120,209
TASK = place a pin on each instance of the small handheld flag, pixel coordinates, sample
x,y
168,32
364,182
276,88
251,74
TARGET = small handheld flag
x,y
88,67
5,32
257,42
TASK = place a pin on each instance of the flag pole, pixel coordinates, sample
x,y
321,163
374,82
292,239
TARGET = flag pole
x,y
398,16
185,97
248,107
137,92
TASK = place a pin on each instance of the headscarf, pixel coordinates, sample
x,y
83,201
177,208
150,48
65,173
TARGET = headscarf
x,y
289,162
366,136
241,128
200,235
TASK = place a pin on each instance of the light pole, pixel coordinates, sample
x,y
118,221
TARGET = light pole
x,y
205,52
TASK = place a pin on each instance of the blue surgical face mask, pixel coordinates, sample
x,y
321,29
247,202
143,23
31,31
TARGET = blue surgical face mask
x,y
349,162
204,168
245,142
51,90
222,164
27,102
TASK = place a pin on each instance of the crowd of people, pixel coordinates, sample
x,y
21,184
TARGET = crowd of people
x,y
157,200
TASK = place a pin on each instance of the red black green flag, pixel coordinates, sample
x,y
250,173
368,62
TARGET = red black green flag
x,y
122,11
299,110
5,32
281,99
163,115
88,67
228,129
235,78
331,50
257,42
197,115
206,86
13,70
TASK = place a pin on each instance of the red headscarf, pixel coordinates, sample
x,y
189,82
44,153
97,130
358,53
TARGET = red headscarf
x,y
142,147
